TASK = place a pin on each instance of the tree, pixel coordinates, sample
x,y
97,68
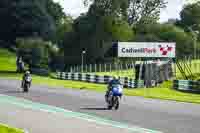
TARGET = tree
x,y
119,30
56,11
190,21
190,16
62,21
34,51
22,18
62,28
133,11
166,33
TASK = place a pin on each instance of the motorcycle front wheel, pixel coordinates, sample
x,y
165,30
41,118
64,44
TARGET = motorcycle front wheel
x,y
117,103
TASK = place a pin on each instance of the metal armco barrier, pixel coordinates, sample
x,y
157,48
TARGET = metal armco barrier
x,y
187,85
127,82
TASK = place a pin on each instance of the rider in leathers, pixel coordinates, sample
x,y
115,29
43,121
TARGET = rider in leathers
x,y
115,80
27,74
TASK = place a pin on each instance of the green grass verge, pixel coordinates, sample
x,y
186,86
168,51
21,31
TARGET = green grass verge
x,y
7,70
8,129
7,60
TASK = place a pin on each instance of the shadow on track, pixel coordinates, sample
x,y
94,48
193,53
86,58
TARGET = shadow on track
x,y
12,92
94,108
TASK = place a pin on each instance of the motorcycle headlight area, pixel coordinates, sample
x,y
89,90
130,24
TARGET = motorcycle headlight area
x,y
118,89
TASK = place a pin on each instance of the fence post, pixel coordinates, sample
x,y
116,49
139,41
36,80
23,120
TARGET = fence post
x,y
195,67
174,69
199,67
120,68
110,67
95,68
100,67
77,68
71,69
133,68
126,66
140,70
90,68
74,68
86,68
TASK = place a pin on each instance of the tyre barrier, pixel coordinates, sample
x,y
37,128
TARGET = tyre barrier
x,y
92,78
187,85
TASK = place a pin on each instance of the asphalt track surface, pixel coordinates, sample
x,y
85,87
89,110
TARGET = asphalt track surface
x,y
165,116
34,121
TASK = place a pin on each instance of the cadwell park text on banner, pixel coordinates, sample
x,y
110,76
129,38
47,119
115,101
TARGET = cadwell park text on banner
x,y
146,49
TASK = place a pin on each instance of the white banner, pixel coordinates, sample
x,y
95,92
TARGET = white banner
x,y
146,49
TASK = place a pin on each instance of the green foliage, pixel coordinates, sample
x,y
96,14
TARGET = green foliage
x,y
33,50
190,15
62,21
145,11
166,33
7,60
119,30
132,11
63,27
7,129
56,11
25,18
190,19
29,17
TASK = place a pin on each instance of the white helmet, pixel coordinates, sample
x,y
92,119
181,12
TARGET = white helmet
x,y
27,72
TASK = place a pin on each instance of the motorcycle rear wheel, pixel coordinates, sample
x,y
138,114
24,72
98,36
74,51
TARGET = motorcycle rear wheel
x,y
26,88
109,107
116,105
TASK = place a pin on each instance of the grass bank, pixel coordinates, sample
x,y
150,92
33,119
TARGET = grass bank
x,y
8,129
7,61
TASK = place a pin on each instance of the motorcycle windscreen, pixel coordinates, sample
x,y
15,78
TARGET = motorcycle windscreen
x,y
28,79
117,91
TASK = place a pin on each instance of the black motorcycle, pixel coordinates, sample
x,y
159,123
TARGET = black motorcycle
x,y
27,84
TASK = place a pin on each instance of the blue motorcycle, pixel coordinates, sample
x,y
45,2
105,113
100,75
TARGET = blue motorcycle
x,y
114,97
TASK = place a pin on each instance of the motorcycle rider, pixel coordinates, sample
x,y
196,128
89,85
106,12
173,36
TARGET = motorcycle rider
x,y
26,74
115,80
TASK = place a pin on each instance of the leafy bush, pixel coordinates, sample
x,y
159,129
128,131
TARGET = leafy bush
x,y
34,51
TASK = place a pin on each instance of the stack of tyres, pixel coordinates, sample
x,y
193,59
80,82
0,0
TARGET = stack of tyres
x,y
187,85
196,86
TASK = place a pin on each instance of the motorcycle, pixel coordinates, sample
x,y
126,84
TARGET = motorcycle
x,y
114,97
27,84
